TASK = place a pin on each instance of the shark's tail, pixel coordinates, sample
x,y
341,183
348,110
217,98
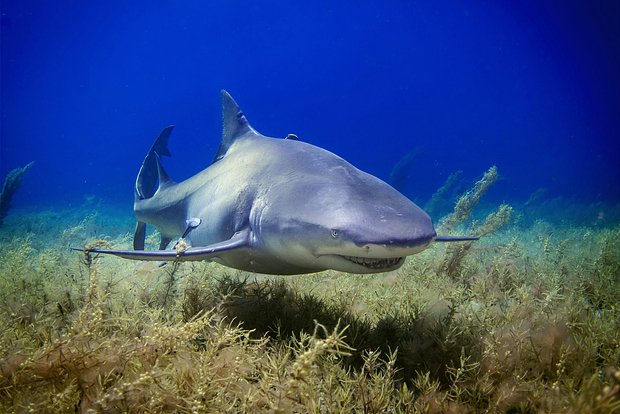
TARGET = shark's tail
x,y
148,179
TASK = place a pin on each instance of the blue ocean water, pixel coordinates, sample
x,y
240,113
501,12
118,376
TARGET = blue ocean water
x,y
532,87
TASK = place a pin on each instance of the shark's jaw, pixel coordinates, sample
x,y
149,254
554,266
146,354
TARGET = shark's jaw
x,y
376,264
357,264
367,259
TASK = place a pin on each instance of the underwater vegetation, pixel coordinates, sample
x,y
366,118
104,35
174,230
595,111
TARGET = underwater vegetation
x,y
11,183
400,175
526,319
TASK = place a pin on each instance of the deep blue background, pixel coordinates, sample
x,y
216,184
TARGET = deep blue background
x,y
531,86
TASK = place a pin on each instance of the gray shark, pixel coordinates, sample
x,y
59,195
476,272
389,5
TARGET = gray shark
x,y
275,206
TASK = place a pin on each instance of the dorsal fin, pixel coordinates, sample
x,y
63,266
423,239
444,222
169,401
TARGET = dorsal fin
x,y
162,176
234,124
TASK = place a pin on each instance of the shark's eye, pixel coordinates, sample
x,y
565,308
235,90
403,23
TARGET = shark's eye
x,y
335,233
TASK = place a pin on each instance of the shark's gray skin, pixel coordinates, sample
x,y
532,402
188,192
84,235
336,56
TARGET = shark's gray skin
x,y
276,206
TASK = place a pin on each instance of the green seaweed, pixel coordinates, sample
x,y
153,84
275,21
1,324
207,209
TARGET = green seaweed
x,y
453,263
527,321
466,203
440,198
12,182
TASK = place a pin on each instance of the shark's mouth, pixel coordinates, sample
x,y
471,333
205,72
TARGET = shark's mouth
x,y
375,264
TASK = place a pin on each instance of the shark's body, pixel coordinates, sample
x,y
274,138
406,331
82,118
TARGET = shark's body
x,y
277,206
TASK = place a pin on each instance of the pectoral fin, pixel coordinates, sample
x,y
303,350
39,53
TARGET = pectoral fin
x,y
238,241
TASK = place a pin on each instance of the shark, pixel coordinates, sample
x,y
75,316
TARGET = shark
x,y
277,206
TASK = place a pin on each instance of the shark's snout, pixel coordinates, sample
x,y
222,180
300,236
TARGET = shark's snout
x,y
400,233
378,240
414,239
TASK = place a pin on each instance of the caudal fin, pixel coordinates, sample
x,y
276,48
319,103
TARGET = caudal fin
x,y
147,179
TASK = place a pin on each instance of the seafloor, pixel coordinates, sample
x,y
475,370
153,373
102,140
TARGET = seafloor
x,y
527,319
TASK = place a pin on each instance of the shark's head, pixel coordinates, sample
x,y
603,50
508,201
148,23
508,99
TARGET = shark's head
x,y
346,220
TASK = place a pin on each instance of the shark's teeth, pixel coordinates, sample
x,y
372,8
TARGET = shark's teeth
x,y
374,263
